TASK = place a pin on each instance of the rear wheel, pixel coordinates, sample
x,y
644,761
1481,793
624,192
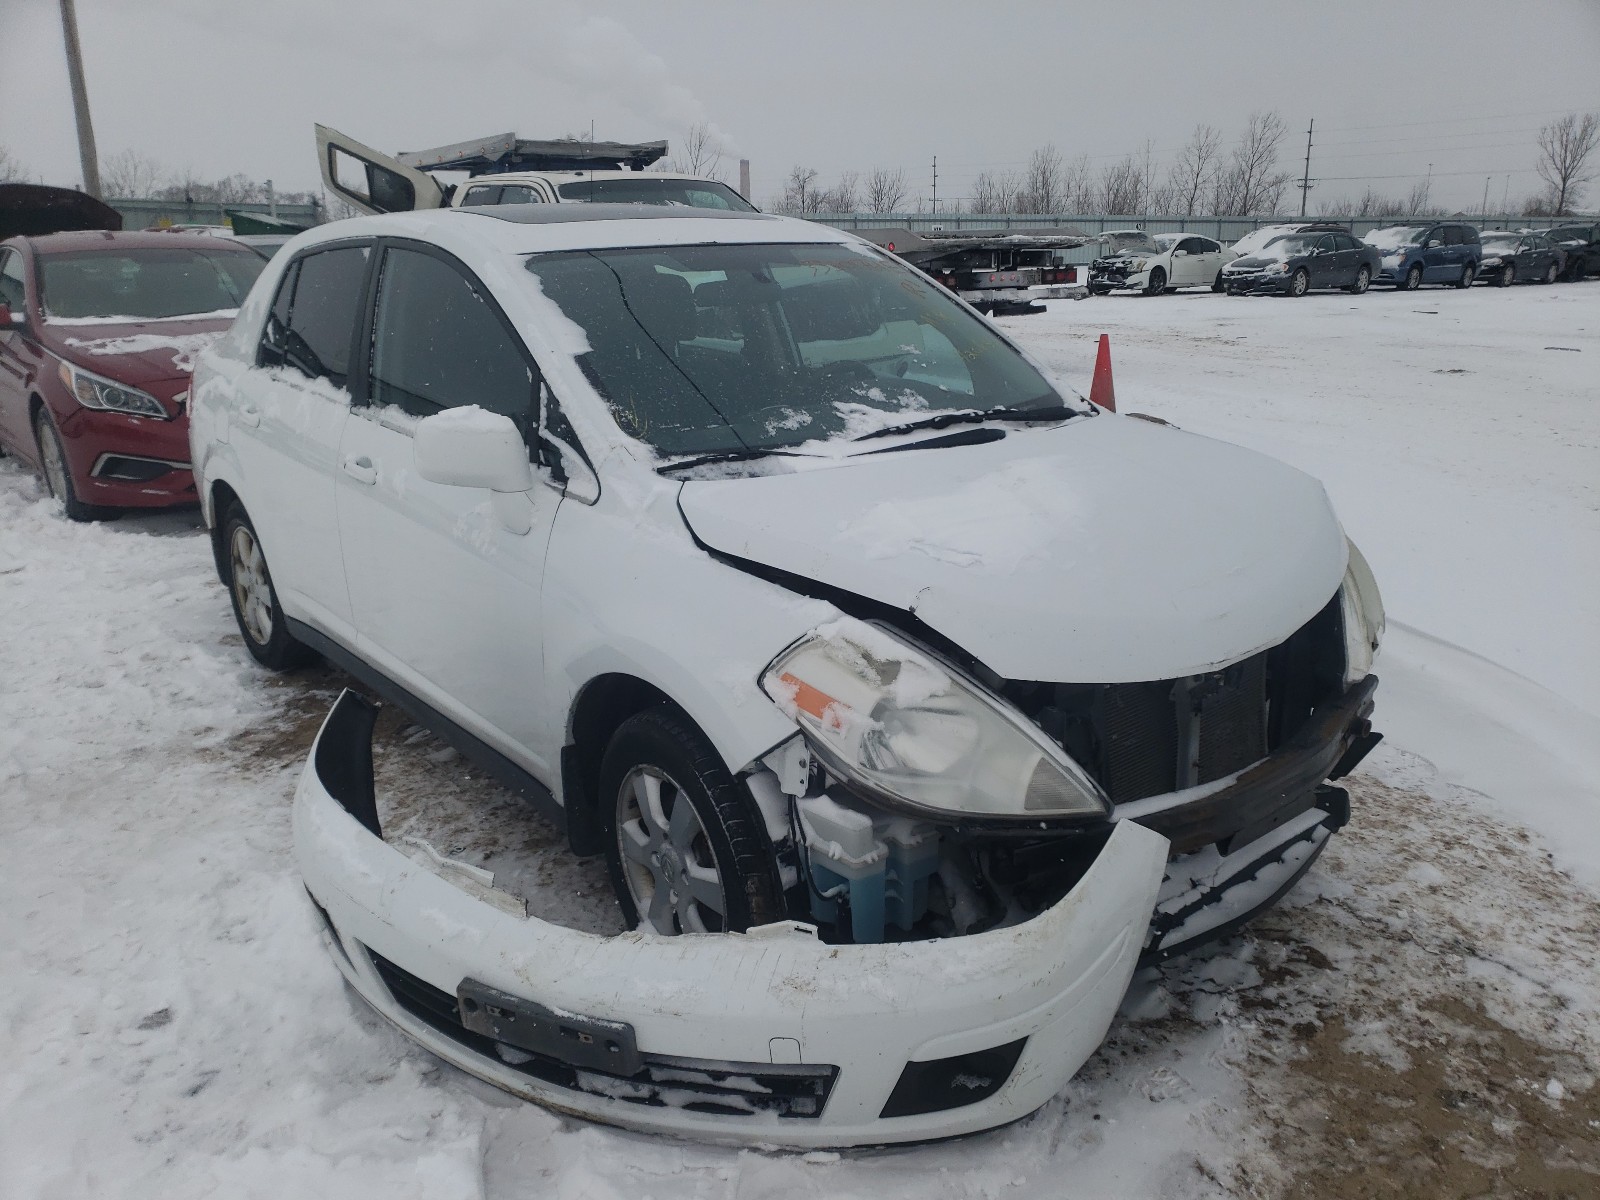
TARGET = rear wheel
x,y
686,844
1469,272
255,602
1413,279
1363,281
57,475
1507,276
1551,272
1216,284
1157,284
1299,282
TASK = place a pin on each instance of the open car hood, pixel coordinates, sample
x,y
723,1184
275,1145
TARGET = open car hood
x,y
1106,550
32,210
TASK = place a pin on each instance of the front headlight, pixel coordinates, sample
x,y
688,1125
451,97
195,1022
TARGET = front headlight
x,y
1137,265
1277,268
908,731
1362,609
1492,260
96,391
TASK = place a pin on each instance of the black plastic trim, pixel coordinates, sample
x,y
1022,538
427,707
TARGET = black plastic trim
x,y
344,758
945,1083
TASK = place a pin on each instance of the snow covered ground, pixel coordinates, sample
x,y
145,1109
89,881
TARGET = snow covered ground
x,y
1422,1016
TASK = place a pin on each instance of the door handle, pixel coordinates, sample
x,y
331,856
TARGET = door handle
x,y
249,415
361,469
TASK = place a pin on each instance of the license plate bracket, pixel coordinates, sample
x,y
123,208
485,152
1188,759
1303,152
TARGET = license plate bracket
x,y
589,1043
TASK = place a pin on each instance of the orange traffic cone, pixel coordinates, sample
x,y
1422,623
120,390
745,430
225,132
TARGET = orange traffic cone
x,y
1100,391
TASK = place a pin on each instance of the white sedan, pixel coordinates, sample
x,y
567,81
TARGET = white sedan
x,y
1137,261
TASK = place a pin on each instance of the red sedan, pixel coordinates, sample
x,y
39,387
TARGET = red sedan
x,y
98,333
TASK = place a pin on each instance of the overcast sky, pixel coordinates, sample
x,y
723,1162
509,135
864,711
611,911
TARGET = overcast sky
x,y
220,87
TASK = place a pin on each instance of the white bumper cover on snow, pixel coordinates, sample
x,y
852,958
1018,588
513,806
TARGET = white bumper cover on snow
x,y
771,1037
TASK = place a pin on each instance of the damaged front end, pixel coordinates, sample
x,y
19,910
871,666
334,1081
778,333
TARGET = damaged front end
x,y
769,1037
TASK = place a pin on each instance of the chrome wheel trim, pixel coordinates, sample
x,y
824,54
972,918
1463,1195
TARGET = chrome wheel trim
x,y
252,588
1363,280
1413,279
666,856
1509,275
1300,282
55,467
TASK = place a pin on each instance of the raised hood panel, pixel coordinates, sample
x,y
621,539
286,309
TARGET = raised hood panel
x,y
1108,550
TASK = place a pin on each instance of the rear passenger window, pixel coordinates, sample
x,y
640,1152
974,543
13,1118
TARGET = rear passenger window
x,y
1454,235
313,319
518,194
437,344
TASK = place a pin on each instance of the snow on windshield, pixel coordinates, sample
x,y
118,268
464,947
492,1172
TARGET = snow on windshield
x,y
1131,241
731,349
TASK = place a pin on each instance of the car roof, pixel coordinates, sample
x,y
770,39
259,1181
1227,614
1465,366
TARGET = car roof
x,y
579,176
111,241
536,228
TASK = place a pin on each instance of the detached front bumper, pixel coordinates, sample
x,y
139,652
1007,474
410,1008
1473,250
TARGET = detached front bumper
x,y
1024,295
770,1037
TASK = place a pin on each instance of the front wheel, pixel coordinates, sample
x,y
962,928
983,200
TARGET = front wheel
x,y
1469,272
1299,282
1413,279
1363,281
1157,284
687,846
1507,276
57,475
255,602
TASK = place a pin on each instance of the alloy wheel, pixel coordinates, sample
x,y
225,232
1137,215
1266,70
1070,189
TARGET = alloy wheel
x,y
1414,279
55,467
666,856
1363,280
252,588
1299,283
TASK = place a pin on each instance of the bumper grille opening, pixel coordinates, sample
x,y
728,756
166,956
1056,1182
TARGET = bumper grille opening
x,y
946,1083
131,470
1147,739
697,1085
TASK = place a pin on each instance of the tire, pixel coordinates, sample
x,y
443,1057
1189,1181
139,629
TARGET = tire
x,y
1550,273
1362,283
58,476
1469,272
681,863
1216,284
1157,284
1299,283
1413,279
1507,276
255,600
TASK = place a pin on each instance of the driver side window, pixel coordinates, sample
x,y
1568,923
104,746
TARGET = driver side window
x,y
437,343
11,289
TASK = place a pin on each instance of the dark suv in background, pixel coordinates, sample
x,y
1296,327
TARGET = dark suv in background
x,y
1427,252
1582,244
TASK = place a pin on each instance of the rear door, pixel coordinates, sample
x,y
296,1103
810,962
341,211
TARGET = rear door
x,y
370,180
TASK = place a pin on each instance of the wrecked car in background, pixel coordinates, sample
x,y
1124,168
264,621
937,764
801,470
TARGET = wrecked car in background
x,y
908,709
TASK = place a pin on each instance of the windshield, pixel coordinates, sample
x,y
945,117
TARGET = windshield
x,y
1252,242
1396,236
1289,245
146,283
691,193
728,349
1167,240
1499,239
1133,241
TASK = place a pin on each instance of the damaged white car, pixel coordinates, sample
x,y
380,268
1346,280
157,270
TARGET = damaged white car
x,y
912,700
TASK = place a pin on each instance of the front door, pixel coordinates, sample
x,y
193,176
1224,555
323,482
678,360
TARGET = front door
x,y
19,359
447,599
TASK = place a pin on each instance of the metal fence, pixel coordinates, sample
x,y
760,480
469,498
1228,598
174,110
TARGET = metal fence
x,y
1226,230
142,214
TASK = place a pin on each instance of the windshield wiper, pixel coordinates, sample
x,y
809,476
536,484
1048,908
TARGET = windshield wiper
x,y
726,456
975,416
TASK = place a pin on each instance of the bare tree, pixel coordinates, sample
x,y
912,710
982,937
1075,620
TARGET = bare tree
x,y
11,169
1041,190
1077,186
702,153
842,197
1565,147
799,192
129,175
1124,186
1251,184
1193,175
1416,202
995,193
886,189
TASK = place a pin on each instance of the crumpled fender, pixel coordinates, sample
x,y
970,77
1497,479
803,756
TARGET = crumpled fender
x,y
776,995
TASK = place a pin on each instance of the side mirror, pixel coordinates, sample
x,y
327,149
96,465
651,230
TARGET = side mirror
x,y
1180,254
471,447
1432,242
11,320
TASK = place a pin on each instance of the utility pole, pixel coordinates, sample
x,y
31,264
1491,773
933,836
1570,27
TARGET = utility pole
x,y
935,205
1483,209
80,100
1305,180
